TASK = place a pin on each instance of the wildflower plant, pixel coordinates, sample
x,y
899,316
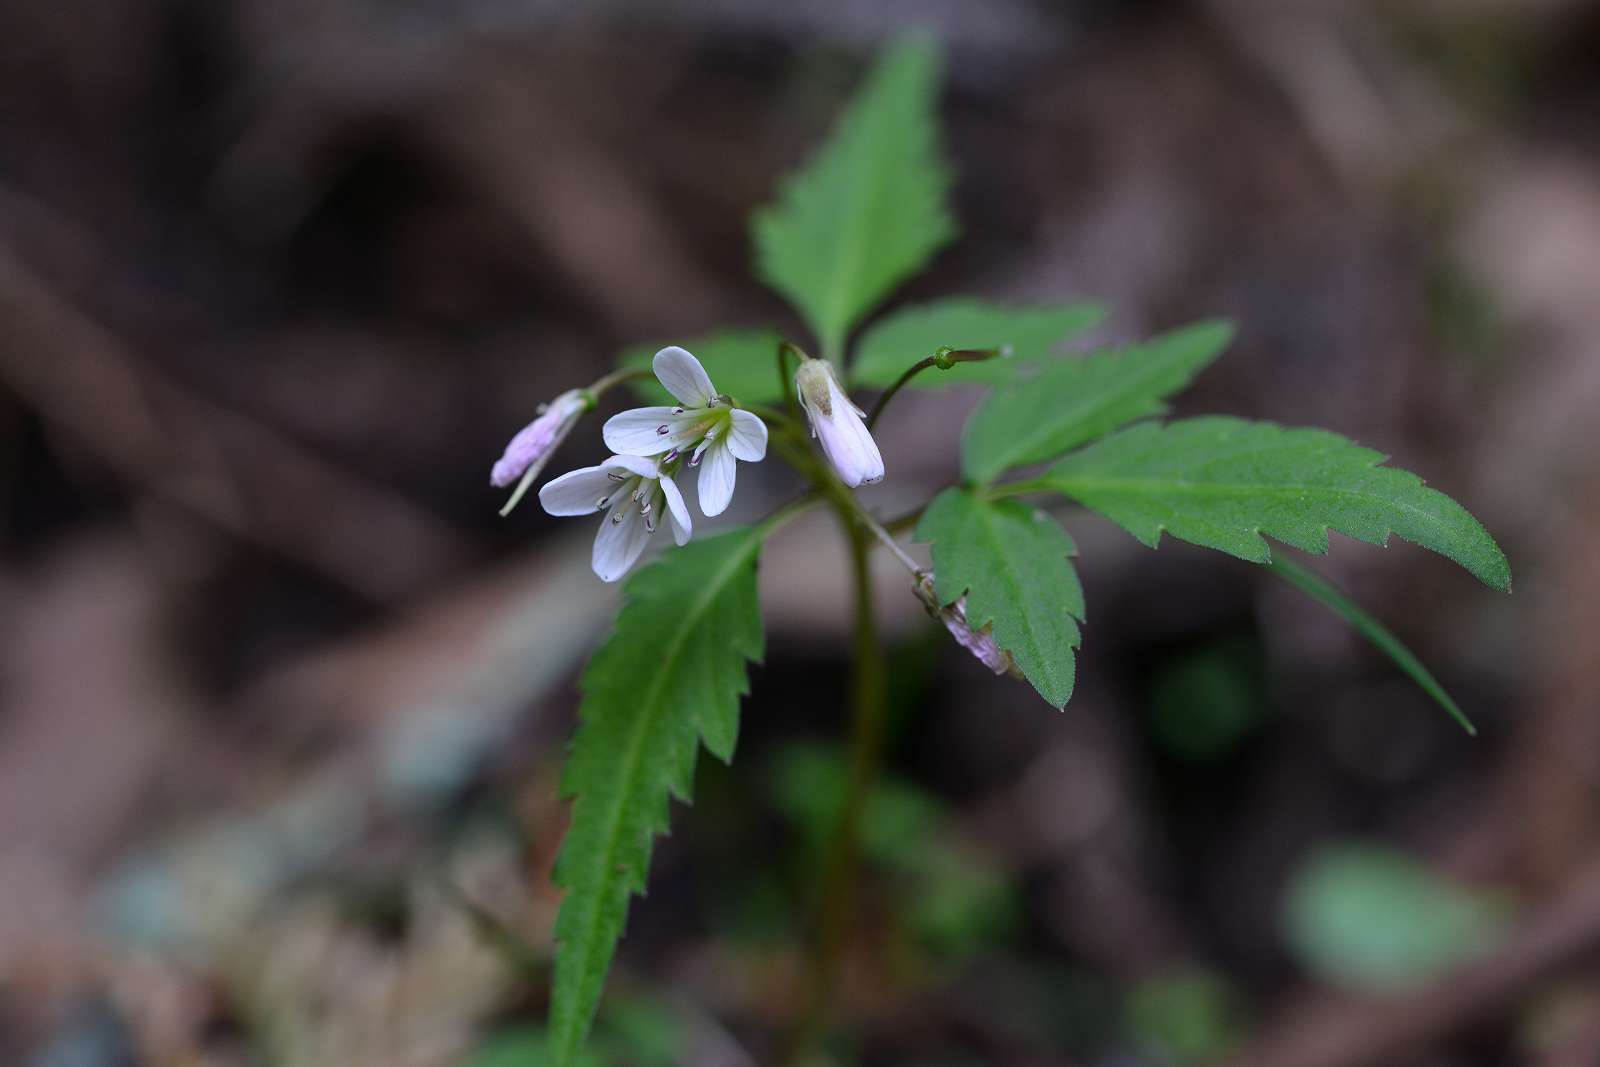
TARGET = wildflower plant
x,y
1053,430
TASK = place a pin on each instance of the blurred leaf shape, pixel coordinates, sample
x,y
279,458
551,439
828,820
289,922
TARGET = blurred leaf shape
x,y
667,679
808,787
742,364
1369,918
1012,564
869,208
1222,483
955,903
1071,401
892,345
1204,701
1185,1016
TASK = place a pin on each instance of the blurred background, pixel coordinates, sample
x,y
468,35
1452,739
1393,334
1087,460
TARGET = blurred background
x,y
283,700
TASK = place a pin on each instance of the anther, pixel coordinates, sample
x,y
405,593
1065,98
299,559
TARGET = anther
x,y
614,476
616,517
644,509
662,429
638,494
670,456
600,505
694,460
649,525
678,410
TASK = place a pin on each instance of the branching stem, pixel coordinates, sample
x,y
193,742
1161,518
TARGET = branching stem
x,y
944,359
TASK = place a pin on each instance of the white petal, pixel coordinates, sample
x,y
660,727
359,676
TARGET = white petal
x,y
717,471
643,466
637,432
578,492
684,377
848,444
618,544
747,437
681,526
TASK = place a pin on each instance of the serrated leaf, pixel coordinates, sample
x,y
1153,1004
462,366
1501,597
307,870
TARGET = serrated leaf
x,y
1011,562
742,363
1328,595
869,209
667,679
889,347
1222,483
1076,400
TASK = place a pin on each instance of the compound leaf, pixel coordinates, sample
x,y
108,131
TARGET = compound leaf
x,y
1076,400
667,679
869,209
1011,563
1223,482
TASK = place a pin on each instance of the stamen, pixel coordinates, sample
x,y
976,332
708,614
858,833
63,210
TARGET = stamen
x,y
616,517
670,456
638,494
694,460
678,410
662,429
614,476
649,524
600,505
644,509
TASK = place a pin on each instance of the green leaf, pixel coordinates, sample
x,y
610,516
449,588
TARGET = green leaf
x,y
889,347
1076,400
1222,482
1010,561
742,363
667,679
869,209
1325,593
1369,918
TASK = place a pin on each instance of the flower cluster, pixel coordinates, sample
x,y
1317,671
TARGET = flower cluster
x,y
651,446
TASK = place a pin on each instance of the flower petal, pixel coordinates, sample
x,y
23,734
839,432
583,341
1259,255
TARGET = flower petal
x,y
643,466
682,527
747,437
619,543
637,431
717,472
578,492
848,443
684,377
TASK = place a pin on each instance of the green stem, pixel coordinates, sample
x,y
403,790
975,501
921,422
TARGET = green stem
x,y
785,350
834,905
944,359
617,377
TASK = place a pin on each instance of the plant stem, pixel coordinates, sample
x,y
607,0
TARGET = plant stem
x,y
944,359
617,377
834,905
785,350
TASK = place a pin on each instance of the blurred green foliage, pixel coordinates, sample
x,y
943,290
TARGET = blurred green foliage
x,y
1367,917
955,904
1203,702
1184,1016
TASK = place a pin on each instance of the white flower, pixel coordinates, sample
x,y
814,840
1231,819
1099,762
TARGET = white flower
x,y
836,424
718,432
531,448
631,490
